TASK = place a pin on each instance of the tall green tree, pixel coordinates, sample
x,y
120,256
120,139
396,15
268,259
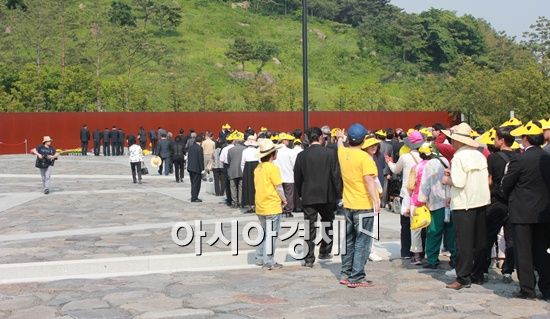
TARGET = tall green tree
x,y
240,51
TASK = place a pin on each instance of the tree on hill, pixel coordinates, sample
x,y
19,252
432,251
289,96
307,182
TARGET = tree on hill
x,y
121,14
264,52
240,51
538,41
167,17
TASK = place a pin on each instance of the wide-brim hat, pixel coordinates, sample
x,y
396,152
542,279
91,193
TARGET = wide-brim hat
x,y
251,141
266,147
156,161
530,129
461,133
414,139
46,139
370,142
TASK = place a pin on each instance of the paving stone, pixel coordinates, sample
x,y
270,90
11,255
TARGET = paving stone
x,y
515,308
98,314
15,303
119,298
41,312
153,303
185,313
85,304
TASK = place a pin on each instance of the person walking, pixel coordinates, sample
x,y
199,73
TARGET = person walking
x,y
142,135
97,141
286,158
361,204
136,158
114,141
84,139
164,148
208,147
526,185
318,183
178,158
46,155
470,195
195,167
154,140
234,171
106,137
224,160
217,169
268,198
249,162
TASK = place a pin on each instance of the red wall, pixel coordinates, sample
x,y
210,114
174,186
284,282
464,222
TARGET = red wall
x,y
64,127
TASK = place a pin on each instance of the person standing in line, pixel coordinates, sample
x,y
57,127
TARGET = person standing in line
x,y
208,147
234,157
546,129
106,142
163,151
286,159
154,140
217,169
178,158
224,160
319,184
114,141
136,158
121,141
84,139
97,141
249,162
268,198
384,172
195,168
470,195
142,135
46,157
361,204
526,185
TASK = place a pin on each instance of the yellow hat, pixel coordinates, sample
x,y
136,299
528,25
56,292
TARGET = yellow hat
x,y
369,142
263,129
545,124
528,129
474,134
381,133
422,218
275,138
488,138
511,122
226,126
515,146
426,132
285,136
297,141
334,131
239,136
404,150
425,149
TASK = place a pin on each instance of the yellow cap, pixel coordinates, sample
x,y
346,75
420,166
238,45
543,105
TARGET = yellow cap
x,y
381,133
426,132
528,129
226,126
545,124
511,122
488,138
285,136
275,138
263,129
369,142
297,141
425,149
334,131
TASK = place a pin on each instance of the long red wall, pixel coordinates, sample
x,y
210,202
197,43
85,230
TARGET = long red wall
x,y
64,127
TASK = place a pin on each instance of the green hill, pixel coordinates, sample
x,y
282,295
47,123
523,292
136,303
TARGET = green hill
x,y
138,55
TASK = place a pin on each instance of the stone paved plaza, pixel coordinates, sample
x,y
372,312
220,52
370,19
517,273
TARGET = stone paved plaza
x,y
100,246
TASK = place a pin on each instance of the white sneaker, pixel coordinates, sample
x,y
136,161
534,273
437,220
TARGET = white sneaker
x,y
374,257
451,273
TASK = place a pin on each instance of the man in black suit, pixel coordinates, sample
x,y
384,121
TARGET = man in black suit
x,y
318,180
97,141
195,167
527,187
142,138
114,141
164,150
121,139
154,140
84,138
106,142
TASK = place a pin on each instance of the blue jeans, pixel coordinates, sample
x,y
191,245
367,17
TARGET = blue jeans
x,y
266,253
358,245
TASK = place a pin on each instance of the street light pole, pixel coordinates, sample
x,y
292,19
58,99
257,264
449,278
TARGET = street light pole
x,y
305,65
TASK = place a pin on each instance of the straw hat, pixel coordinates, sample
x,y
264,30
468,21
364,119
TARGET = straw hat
x,y
251,141
414,139
46,139
369,142
528,129
267,147
511,122
461,133
156,161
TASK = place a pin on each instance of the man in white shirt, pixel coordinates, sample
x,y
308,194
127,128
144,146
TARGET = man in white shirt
x,y
225,161
286,158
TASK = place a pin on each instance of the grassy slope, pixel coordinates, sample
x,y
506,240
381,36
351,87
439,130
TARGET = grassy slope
x,y
206,31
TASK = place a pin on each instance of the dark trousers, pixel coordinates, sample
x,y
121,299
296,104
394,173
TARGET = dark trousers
x,y
326,211
405,236
106,149
179,167
84,146
96,148
496,218
530,244
136,167
165,166
114,148
120,148
471,239
292,199
153,146
195,185
228,199
219,181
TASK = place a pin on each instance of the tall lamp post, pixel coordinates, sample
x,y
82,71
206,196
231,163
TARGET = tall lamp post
x,y
305,64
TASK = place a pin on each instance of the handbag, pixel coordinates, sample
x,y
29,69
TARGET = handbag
x,y
144,170
42,162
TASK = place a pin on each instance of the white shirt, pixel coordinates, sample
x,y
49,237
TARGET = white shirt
x,y
250,154
285,161
223,155
136,154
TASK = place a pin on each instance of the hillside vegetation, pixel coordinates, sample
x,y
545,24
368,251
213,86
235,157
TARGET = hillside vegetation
x,y
208,55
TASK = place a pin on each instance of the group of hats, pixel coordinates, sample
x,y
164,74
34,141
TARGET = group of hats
x,y
235,136
530,128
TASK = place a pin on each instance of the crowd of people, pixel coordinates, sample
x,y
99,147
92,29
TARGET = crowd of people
x,y
457,190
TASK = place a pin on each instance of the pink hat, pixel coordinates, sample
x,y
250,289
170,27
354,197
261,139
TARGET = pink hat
x,y
414,140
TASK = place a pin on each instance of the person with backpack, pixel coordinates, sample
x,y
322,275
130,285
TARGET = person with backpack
x,y
436,196
46,155
178,158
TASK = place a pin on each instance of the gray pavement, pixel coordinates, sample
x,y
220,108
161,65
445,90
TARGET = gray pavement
x,y
100,246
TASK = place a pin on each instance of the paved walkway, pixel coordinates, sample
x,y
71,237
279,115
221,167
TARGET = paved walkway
x,y
100,246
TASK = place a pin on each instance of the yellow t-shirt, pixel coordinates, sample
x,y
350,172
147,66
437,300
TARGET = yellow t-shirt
x,y
355,164
266,177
